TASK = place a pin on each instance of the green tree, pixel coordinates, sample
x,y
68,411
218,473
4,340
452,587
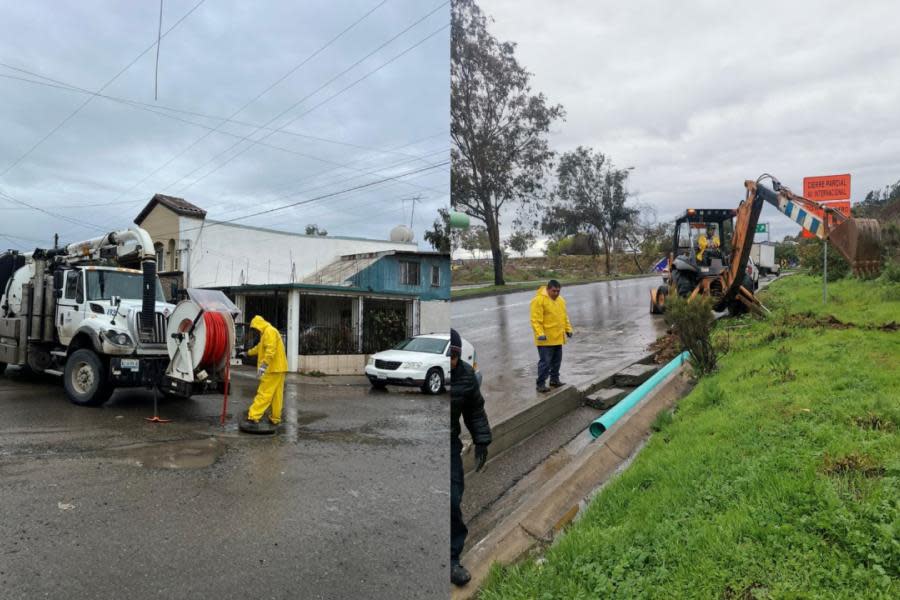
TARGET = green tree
x,y
520,241
475,240
499,152
441,236
812,254
590,197
313,229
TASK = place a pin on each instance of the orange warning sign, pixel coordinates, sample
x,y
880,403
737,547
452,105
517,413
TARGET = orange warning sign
x,y
828,187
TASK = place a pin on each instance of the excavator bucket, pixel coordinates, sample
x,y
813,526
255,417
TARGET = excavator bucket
x,y
859,241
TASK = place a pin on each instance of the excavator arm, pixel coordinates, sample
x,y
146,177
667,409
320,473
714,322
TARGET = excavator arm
x,y
858,240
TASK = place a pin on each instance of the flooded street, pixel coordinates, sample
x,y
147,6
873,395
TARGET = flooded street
x,y
613,327
351,500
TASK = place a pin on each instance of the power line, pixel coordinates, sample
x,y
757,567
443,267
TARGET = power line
x,y
346,180
62,85
47,212
303,99
443,151
290,72
255,142
105,85
147,108
315,199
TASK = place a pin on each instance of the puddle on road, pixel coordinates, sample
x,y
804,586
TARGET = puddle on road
x,y
182,454
306,417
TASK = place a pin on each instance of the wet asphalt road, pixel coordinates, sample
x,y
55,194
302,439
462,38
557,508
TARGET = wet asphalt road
x,y
351,501
613,327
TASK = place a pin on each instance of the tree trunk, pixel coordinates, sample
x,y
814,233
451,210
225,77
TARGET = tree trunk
x,y
496,251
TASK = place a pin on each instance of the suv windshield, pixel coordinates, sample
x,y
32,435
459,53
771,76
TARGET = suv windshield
x,y
423,344
103,285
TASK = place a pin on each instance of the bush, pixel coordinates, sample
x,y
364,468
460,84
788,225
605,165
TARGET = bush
x,y
693,322
812,253
891,273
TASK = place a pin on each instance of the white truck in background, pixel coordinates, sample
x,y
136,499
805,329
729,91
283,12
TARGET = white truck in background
x,y
763,255
75,312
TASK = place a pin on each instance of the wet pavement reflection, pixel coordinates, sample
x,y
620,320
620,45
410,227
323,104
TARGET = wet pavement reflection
x,y
350,500
613,328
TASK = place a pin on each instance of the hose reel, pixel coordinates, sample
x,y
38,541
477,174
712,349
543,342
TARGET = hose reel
x,y
200,336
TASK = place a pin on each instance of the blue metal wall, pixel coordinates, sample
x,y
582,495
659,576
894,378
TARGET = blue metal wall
x,y
384,276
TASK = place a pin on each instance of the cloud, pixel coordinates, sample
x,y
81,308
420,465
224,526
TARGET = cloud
x,y
699,96
216,60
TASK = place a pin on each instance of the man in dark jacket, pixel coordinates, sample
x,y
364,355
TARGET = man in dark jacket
x,y
466,401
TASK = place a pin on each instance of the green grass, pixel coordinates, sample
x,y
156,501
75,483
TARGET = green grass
x,y
776,477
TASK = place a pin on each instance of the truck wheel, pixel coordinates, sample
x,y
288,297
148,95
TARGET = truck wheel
x,y
85,379
434,382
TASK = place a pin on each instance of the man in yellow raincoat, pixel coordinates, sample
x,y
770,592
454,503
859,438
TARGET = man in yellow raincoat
x,y
551,328
271,367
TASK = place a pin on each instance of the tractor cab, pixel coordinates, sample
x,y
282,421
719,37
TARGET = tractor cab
x,y
703,238
701,248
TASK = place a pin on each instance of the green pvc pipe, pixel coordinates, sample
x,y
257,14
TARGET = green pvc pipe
x,y
615,413
459,220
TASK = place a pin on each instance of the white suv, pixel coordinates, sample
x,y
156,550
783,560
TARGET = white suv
x,y
422,361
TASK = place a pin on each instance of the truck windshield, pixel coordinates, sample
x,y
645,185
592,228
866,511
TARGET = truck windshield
x,y
103,285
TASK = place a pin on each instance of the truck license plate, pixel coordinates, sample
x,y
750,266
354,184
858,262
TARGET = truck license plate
x,y
380,376
132,364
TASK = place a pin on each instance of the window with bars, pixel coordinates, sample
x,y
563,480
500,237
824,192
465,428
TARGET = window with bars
x,y
435,276
409,273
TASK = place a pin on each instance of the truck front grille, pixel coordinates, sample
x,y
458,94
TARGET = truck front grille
x,y
158,335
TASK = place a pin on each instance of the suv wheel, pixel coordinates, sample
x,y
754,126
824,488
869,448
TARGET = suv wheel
x,y
434,381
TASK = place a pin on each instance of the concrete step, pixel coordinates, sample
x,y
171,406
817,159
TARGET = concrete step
x,y
634,375
606,398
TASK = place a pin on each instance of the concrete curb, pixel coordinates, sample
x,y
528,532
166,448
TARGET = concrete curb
x,y
556,504
553,406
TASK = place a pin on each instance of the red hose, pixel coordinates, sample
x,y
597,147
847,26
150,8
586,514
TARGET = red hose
x,y
216,339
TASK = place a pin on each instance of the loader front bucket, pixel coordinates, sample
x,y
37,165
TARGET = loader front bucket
x,y
859,240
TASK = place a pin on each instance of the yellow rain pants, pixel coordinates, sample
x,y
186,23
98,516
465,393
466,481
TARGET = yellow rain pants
x,y
269,393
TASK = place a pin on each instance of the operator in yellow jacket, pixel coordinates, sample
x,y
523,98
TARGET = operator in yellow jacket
x,y
271,367
551,328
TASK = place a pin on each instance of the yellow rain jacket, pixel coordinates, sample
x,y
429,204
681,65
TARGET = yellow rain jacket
x,y
548,317
270,349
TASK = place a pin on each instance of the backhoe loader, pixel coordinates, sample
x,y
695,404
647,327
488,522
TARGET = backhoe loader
x,y
694,268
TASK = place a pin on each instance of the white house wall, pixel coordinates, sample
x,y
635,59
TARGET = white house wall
x,y
228,255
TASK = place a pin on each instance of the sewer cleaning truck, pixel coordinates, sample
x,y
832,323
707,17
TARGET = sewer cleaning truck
x,y
76,312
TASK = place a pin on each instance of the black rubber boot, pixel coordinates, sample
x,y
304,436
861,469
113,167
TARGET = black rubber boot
x,y
459,576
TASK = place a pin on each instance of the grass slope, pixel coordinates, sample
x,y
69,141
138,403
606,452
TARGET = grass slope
x,y
777,477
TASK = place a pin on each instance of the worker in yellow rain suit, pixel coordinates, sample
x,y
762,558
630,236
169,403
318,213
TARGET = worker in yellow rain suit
x,y
702,243
271,367
551,326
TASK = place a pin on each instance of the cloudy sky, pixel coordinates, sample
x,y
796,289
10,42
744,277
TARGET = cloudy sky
x,y
699,96
259,105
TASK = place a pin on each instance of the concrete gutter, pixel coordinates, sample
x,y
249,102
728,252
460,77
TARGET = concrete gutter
x,y
557,503
551,407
